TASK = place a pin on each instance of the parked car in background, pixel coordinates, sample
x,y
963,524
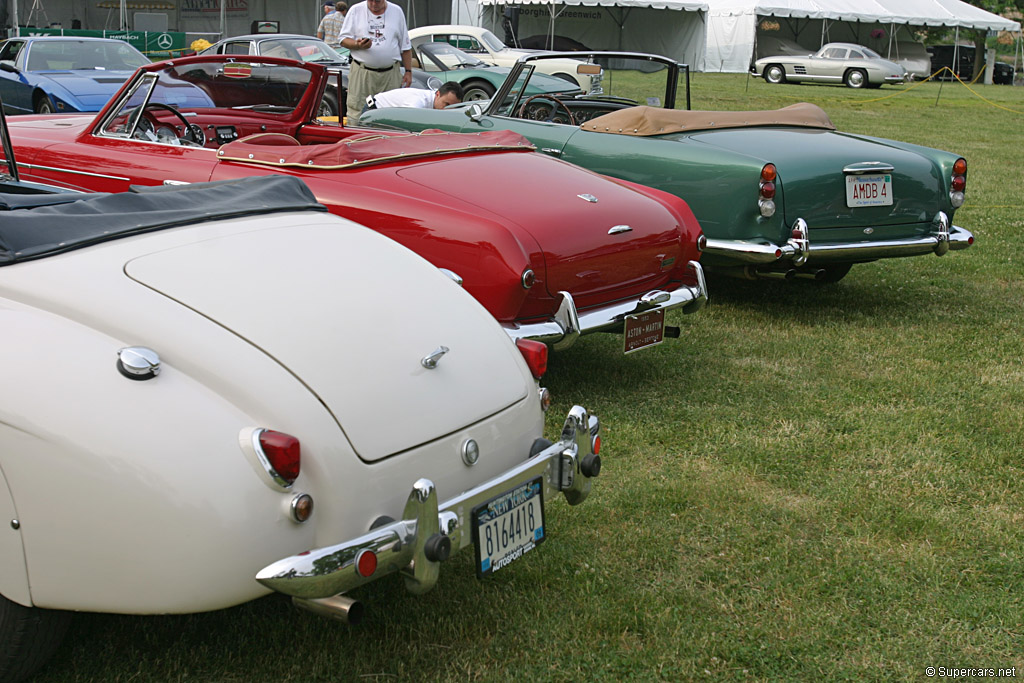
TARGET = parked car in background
x,y
478,79
207,358
552,252
306,49
488,48
854,66
778,193
959,59
54,74
913,57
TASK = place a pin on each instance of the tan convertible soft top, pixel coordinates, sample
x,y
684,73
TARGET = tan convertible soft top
x,y
656,121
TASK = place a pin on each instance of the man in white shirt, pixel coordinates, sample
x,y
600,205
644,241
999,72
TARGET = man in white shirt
x,y
449,93
376,34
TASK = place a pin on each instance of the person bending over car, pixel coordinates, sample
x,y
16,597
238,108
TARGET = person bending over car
x,y
449,93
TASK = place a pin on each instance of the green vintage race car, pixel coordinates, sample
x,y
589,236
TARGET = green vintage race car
x,y
778,193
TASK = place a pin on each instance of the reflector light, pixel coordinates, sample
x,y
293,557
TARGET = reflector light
x,y
282,453
767,190
960,167
366,563
768,173
528,279
596,446
958,183
302,507
536,355
545,399
702,242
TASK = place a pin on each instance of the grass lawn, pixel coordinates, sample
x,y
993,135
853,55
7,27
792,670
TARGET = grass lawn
x,y
812,483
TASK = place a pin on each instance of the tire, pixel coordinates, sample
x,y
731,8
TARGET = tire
x,y
474,91
835,273
328,105
44,105
855,78
28,637
774,73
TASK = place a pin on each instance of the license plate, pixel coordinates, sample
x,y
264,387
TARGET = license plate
x,y
869,190
644,329
508,526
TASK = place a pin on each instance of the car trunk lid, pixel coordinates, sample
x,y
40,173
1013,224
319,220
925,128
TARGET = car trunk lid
x,y
810,164
364,363
601,240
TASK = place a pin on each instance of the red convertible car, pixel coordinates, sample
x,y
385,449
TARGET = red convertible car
x,y
551,250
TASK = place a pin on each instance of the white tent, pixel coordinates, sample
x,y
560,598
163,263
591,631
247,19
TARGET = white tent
x,y
732,24
674,28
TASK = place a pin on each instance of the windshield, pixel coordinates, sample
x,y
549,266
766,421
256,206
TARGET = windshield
x,y
64,55
444,57
492,42
270,88
306,50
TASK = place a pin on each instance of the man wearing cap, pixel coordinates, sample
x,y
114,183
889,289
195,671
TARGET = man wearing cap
x,y
376,34
329,30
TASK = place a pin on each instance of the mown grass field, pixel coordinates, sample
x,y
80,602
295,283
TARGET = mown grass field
x,y
812,483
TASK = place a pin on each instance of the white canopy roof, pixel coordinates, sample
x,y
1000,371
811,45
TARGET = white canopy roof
x,y
684,5
911,12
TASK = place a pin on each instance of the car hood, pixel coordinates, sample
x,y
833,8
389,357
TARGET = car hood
x,y
810,165
93,87
600,239
350,314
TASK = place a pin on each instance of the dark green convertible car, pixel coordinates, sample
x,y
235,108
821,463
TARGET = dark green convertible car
x,y
779,194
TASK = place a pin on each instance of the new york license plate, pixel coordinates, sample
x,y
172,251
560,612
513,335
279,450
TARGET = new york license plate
x,y
508,526
869,190
644,329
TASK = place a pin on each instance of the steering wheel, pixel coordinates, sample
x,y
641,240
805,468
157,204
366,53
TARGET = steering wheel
x,y
187,130
547,96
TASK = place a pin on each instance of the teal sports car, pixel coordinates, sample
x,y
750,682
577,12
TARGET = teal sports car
x,y
478,79
778,194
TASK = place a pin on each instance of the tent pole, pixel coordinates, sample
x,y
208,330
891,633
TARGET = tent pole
x,y
17,26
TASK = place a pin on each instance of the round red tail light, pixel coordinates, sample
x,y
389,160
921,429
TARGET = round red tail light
x,y
768,190
366,563
282,453
958,183
536,355
768,173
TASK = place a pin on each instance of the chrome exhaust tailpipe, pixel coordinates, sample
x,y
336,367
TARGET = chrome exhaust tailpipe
x,y
340,607
772,274
818,274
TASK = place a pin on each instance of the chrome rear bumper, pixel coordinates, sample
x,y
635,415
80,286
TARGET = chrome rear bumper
x,y
430,530
941,239
568,324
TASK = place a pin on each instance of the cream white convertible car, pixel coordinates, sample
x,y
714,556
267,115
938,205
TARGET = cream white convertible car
x,y
218,391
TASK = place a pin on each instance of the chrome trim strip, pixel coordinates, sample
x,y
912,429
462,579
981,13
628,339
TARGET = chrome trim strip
x,y
401,546
865,167
568,324
73,172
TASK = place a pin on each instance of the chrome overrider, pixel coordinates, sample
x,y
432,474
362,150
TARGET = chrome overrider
x,y
568,324
799,249
429,530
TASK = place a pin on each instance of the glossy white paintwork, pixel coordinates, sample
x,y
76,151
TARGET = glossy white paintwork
x,y
136,496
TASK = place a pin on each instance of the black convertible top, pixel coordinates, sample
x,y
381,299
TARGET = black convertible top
x,y
36,226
